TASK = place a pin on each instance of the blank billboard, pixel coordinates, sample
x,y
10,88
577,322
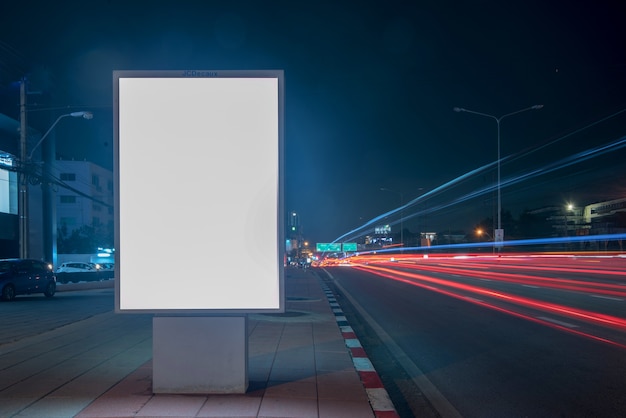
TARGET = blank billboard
x,y
199,191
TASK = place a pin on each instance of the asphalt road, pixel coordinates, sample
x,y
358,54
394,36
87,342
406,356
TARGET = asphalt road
x,y
34,314
519,353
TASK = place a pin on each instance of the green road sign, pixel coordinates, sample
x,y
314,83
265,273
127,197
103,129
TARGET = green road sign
x,y
349,246
328,247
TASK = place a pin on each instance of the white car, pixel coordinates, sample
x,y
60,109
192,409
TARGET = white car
x,y
106,266
77,267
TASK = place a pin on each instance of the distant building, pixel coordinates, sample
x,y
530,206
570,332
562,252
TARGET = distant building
x,y
83,197
9,228
565,220
9,219
88,198
606,217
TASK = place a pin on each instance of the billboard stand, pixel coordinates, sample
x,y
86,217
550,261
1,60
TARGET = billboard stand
x,y
199,355
199,241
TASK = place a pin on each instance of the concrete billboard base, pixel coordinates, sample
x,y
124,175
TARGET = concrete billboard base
x,y
199,355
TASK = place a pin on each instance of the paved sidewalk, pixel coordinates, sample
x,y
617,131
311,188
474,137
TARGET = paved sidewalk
x,y
299,366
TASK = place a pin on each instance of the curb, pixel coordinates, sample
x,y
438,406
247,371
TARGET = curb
x,y
377,394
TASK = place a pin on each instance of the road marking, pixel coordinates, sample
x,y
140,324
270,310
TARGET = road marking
x,y
556,321
606,297
531,286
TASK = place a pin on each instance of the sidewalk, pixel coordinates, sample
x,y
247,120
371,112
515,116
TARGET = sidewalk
x,y
299,366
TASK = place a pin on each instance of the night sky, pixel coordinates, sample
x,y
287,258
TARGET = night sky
x,y
370,92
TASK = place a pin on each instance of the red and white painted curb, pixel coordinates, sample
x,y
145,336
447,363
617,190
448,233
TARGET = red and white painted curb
x,y
377,394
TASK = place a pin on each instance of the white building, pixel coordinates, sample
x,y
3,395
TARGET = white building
x,y
82,196
604,217
88,198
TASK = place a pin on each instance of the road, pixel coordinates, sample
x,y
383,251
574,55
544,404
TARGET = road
x,y
493,337
34,314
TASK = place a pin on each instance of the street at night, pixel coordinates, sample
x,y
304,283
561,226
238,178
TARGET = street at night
x,y
495,337
271,192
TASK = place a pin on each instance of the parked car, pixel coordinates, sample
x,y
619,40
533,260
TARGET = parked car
x,y
107,266
20,276
77,267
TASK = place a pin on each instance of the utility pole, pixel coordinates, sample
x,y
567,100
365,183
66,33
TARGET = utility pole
x,y
23,178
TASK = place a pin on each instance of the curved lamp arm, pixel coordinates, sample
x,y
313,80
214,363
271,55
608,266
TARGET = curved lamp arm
x,y
83,114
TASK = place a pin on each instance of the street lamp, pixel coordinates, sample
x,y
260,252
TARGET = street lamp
x,y
401,212
499,233
82,114
23,190
481,232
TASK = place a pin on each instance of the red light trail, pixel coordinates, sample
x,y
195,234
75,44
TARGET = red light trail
x,y
446,275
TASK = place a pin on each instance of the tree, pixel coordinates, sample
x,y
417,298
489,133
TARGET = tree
x,y
83,240
534,226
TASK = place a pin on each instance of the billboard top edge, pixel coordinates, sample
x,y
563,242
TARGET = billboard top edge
x,y
198,73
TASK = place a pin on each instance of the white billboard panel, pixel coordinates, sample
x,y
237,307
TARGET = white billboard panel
x,y
198,165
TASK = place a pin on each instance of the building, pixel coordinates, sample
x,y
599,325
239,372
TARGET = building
x,y
88,198
606,217
565,220
9,228
84,197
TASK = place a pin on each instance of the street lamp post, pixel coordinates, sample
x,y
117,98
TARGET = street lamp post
x,y
401,213
22,206
27,159
499,233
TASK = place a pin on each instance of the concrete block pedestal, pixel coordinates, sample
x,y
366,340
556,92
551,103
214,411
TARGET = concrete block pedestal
x,y
199,355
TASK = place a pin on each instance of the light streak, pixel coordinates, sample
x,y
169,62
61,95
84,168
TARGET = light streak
x,y
503,183
493,299
511,243
592,317
413,202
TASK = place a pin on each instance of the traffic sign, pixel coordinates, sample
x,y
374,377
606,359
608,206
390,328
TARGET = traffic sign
x,y
328,247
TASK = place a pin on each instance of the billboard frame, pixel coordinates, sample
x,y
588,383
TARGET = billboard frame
x,y
277,247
